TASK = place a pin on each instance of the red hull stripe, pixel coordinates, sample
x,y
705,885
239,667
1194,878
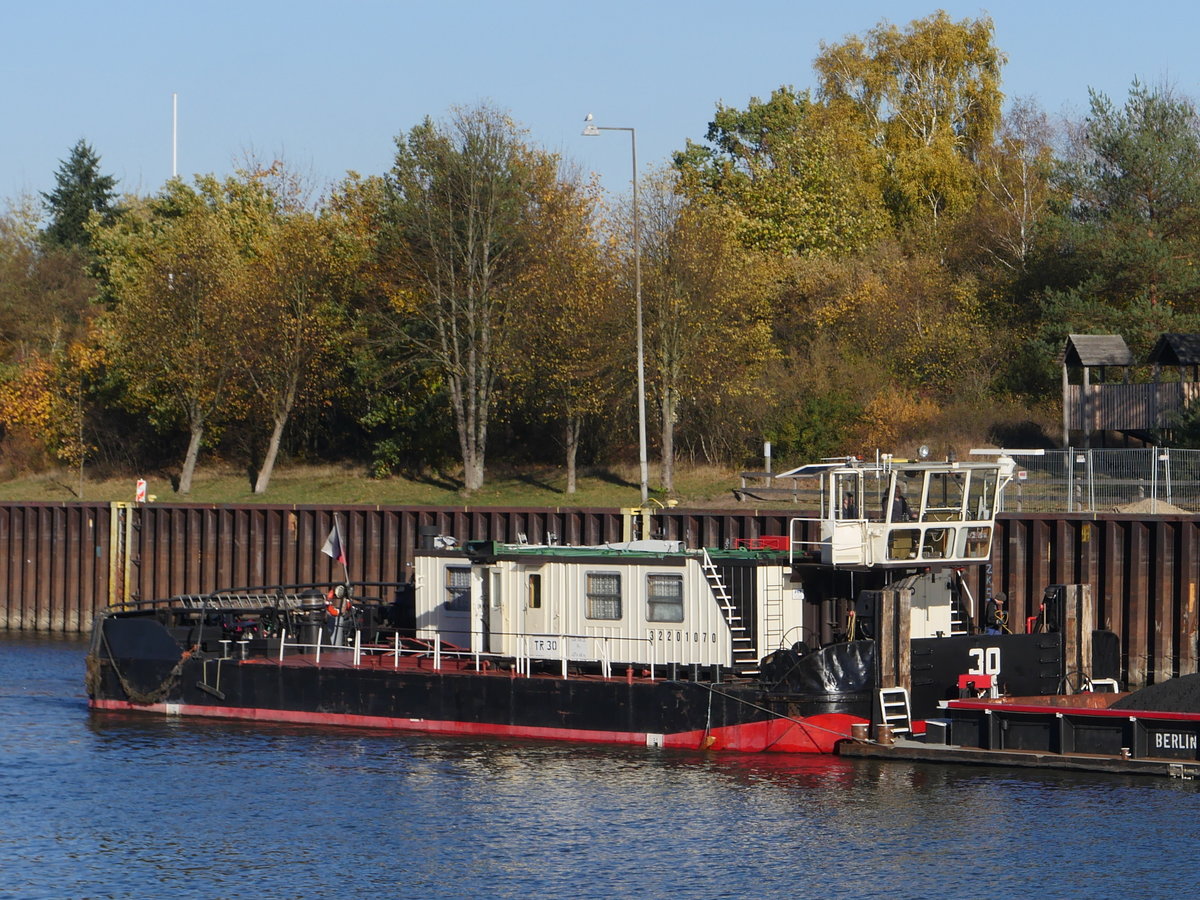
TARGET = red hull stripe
x,y
817,734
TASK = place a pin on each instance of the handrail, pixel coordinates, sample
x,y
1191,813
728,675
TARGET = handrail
x,y
437,647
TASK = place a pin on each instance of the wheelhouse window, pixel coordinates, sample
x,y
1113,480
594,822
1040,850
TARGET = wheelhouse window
x,y
664,598
944,497
981,495
458,588
603,595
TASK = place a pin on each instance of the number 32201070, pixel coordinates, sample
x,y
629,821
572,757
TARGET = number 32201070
x,y
688,637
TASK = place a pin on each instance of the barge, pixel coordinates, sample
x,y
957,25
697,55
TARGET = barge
x,y
860,615
1153,731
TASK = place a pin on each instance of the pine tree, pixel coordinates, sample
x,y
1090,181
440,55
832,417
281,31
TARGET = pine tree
x,y
80,189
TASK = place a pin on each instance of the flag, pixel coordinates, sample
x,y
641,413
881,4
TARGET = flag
x,y
335,545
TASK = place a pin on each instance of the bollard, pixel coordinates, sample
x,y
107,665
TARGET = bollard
x,y
883,735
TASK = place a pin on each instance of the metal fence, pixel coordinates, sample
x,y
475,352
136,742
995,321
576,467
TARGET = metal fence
x,y
1154,480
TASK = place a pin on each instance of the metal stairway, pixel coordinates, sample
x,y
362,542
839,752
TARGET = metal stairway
x,y
745,654
957,625
894,709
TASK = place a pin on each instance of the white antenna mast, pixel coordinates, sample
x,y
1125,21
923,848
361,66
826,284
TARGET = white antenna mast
x,y
174,134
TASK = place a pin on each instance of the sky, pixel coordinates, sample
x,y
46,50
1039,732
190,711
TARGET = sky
x,y
327,87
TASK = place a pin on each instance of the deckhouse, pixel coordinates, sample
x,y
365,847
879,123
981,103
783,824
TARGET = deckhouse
x,y
654,603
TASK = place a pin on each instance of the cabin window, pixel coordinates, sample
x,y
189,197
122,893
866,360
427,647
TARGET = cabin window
x,y
458,588
535,591
981,494
664,598
944,497
603,595
847,496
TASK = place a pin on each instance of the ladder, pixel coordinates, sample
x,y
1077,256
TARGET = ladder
x,y
894,709
745,655
773,610
957,625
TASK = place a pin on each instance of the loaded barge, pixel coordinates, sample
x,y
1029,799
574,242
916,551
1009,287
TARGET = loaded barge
x,y
860,615
1153,731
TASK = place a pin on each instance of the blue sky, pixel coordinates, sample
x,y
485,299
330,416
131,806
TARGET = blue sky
x,y
328,86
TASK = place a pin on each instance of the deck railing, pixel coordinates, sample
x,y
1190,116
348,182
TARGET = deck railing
x,y
432,646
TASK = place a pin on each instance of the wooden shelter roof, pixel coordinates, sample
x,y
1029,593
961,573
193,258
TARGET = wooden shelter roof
x,y
1176,350
1096,350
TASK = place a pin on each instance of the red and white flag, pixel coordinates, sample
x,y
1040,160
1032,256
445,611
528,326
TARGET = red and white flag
x,y
335,544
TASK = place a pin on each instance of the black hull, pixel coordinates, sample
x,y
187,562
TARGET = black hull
x,y
146,670
803,704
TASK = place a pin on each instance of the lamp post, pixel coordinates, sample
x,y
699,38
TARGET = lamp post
x,y
593,130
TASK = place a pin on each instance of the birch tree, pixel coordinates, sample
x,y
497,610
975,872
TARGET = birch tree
x,y
459,210
929,97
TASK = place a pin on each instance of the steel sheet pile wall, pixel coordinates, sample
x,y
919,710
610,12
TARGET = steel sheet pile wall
x,y
55,558
54,561
1142,571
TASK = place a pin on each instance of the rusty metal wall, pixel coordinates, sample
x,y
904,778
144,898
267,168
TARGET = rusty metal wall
x,y
56,569
54,560
1142,570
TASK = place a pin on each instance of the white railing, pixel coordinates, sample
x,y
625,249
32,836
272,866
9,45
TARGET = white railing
x,y
433,647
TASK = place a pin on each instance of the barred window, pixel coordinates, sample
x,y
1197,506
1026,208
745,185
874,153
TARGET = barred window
x,y
603,595
664,598
458,588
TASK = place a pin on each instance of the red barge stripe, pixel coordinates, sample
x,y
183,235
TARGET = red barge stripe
x,y
817,734
1075,710
432,726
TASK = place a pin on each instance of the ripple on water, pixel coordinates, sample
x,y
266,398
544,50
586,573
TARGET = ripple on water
x,y
109,805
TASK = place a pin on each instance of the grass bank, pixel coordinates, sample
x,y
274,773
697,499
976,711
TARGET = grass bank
x,y
696,486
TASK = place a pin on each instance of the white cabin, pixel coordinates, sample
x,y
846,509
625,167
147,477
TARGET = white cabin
x,y
644,602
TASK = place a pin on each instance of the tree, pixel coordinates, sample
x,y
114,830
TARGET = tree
x,y
1133,227
564,337
174,270
44,291
79,191
295,318
797,177
707,307
46,398
1015,180
459,214
930,97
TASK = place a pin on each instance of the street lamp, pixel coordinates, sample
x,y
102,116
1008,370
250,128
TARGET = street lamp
x,y
593,130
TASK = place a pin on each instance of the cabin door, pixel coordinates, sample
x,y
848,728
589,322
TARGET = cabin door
x,y
847,518
540,615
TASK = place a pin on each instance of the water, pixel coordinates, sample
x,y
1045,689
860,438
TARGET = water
x,y
106,805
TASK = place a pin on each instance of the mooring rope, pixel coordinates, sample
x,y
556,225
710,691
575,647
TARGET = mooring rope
x,y
135,695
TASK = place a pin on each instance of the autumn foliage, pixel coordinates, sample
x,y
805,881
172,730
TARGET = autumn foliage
x,y
892,257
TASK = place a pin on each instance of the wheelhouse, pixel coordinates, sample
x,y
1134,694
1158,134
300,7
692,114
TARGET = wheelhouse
x,y
894,513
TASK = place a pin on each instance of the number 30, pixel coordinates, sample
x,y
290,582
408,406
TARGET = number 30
x,y
987,661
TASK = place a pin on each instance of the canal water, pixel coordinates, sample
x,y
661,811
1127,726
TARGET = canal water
x,y
112,805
